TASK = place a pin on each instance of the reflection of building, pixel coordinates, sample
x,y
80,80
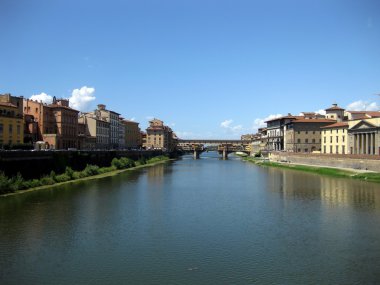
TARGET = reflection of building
x,y
159,136
304,135
57,122
11,120
335,138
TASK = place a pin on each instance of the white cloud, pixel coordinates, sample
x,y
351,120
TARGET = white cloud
x,y
82,98
363,106
227,124
132,119
260,123
149,118
45,98
321,112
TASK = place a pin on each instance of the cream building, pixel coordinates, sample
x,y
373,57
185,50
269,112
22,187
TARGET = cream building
x,y
159,136
335,138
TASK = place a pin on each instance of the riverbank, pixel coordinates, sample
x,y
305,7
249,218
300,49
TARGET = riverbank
x,y
330,171
115,169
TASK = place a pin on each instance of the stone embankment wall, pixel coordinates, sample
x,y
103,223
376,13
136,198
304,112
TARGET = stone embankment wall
x,y
361,162
34,164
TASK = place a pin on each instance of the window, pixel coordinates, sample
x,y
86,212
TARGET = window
x,y
18,129
337,149
1,129
337,139
313,140
330,148
306,132
324,139
298,140
306,150
10,129
343,149
324,149
343,138
306,140
330,139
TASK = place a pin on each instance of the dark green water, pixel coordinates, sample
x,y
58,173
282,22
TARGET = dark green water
x,y
207,221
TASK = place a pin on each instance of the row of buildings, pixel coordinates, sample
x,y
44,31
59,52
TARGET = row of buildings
x,y
58,126
339,131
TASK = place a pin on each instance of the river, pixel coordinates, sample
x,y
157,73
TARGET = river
x,y
206,221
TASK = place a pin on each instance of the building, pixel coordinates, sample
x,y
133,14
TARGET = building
x,y
364,136
113,119
159,136
11,120
96,131
355,115
143,140
335,138
132,134
304,135
335,113
57,122
276,132
121,134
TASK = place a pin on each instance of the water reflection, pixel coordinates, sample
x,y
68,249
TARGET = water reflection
x,y
331,191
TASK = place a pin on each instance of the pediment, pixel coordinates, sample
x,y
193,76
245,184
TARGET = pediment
x,y
363,125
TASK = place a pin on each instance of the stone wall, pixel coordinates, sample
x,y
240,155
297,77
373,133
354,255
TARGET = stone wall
x,y
362,162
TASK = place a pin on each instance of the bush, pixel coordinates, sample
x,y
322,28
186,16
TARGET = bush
x,y
90,170
5,184
122,163
32,183
69,172
47,180
62,178
116,163
17,182
106,169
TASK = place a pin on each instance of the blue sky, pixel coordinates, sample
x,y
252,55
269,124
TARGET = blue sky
x,y
207,68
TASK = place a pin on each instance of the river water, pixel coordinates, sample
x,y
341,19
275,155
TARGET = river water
x,y
206,221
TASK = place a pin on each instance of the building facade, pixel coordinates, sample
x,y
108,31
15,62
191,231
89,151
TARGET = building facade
x,y
113,119
97,131
364,136
159,136
57,122
304,135
335,138
11,120
132,134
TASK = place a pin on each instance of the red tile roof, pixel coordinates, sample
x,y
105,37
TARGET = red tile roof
x,y
336,125
313,121
334,108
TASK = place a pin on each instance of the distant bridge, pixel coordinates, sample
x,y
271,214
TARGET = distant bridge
x,y
208,141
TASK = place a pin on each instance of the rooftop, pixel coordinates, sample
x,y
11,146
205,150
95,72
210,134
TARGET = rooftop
x,y
336,125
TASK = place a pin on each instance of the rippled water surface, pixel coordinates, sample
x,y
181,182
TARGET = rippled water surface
x,y
204,221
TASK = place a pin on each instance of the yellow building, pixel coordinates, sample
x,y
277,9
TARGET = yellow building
x,y
11,120
335,138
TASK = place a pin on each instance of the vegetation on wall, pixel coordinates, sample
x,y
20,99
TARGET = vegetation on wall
x,y
16,183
